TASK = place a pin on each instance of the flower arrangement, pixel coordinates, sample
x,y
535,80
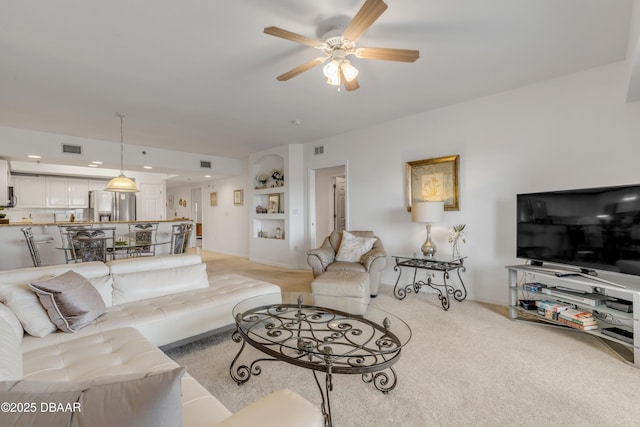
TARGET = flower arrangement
x,y
262,179
277,177
456,234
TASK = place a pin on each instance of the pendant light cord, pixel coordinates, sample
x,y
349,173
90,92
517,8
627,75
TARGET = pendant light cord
x,y
121,143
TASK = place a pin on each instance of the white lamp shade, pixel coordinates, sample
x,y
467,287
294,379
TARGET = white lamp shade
x,y
427,212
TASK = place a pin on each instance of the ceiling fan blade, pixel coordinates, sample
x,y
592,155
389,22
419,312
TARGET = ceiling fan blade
x,y
288,35
366,16
385,54
349,86
300,69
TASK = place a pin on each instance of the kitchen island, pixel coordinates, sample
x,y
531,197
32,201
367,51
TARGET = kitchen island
x,y
15,253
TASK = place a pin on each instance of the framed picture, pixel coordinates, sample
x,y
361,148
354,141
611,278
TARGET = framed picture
x,y
213,199
237,197
434,180
274,203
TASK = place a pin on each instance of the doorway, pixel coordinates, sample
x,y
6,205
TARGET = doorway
x,y
196,214
331,202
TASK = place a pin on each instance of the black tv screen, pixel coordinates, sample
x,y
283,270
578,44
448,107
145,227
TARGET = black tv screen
x,y
594,228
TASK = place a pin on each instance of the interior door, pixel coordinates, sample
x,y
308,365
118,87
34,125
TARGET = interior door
x,y
151,202
338,204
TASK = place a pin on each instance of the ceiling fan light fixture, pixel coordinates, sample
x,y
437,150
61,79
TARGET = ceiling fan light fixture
x,y
334,80
332,70
350,72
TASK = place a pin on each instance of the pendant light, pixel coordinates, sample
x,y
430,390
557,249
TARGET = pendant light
x,y
121,183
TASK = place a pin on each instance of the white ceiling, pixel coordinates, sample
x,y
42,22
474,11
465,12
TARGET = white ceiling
x,y
199,76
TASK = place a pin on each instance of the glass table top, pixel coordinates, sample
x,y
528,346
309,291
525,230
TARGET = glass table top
x,y
321,326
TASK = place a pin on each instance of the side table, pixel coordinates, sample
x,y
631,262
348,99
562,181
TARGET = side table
x,y
438,264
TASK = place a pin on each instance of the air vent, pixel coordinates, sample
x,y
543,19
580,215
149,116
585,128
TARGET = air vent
x,y
205,164
318,150
72,149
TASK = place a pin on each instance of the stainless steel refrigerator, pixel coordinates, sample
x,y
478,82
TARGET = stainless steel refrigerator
x,y
110,206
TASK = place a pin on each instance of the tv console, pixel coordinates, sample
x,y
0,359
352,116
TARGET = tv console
x,y
606,316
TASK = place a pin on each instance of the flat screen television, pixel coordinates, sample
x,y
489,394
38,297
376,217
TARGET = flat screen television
x,y
593,228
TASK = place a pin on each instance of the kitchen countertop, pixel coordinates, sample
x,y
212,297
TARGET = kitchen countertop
x,y
34,223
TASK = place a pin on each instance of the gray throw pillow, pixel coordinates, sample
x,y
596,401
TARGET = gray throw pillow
x,y
153,399
71,301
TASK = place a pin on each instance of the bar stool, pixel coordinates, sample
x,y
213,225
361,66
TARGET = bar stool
x,y
32,245
180,234
89,245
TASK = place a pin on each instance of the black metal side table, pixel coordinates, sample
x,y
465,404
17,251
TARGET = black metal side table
x,y
439,264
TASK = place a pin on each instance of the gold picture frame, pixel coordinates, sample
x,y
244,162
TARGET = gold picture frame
x,y
237,197
434,180
274,203
213,199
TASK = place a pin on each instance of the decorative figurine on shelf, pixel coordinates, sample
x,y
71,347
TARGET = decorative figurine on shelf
x,y
278,233
262,179
456,234
277,177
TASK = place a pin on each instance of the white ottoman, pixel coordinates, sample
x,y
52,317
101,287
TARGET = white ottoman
x,y
350,287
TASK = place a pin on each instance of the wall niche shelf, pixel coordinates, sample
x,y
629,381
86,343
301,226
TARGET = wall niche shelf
x,y
276,227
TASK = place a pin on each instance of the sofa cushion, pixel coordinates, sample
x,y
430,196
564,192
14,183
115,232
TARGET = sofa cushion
x,y
11,367
10,317
353,247
156,283
152,399
71,301
104,286
27,308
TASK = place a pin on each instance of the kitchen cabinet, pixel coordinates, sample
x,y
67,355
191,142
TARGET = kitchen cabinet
x,y
56,192
51,192
97,185
29,191
78,193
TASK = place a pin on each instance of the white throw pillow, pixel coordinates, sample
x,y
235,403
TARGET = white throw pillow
x,y
353,247
27,308
10,317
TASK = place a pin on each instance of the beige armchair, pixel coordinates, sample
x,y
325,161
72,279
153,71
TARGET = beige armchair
x,y
373,262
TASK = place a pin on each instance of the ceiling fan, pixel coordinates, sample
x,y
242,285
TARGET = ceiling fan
x,y
339,44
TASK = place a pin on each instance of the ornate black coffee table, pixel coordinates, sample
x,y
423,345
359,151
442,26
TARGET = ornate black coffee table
x,y
321,333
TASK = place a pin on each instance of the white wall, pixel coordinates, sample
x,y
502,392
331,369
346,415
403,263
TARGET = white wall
x,y
569,132
179,194
225,227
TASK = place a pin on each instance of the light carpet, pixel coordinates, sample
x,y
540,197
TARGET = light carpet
x,y
469,366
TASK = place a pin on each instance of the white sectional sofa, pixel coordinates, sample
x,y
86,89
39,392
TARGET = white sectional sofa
x,y
112,369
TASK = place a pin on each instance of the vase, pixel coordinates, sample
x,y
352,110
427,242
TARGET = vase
x,y
455,250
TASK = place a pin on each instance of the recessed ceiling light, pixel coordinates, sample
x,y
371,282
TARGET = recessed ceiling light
x,y
148,167
95,162
33,156
92,165
207,176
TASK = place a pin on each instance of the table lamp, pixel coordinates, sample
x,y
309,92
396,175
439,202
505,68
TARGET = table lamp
x,y
428,212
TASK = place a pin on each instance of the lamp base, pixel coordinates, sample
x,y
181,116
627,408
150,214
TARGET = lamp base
x,y
428,248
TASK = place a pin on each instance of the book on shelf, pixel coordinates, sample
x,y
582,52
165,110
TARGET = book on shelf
x,y
563,294
574,325
579,317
